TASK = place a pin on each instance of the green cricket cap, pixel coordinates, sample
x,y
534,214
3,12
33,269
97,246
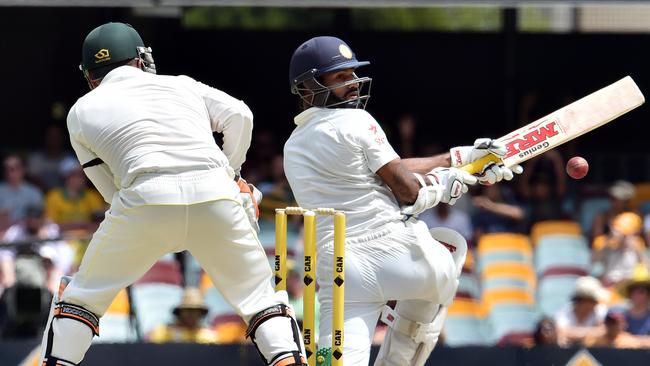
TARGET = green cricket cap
x,y
108,44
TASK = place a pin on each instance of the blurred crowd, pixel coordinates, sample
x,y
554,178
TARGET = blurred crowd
x,y
48,210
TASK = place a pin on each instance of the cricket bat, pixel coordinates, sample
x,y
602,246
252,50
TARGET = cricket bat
x,y
565,124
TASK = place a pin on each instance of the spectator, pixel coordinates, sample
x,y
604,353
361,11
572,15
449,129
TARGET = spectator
x,y
276,191
496,211
620,196
543,201
25,306
43,165
450,217
15,193
615,335
44,235
74,203
187,326
637,290
584,315
545,333
547,168
623,248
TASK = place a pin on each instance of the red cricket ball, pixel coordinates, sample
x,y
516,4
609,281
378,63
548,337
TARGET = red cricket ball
x,y
577,167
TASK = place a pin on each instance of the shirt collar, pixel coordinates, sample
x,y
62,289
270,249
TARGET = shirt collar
x,y
308,114
121,73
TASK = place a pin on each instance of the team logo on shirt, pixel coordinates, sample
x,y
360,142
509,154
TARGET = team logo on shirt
x,y
102,55
345,51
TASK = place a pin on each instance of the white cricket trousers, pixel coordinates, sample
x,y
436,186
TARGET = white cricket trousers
x,y
217,233
400,261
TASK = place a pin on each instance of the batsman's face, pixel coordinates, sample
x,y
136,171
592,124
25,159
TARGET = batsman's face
x,y
345,92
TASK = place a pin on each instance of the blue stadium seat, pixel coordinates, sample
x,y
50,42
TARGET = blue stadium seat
x,y
464,325
554,292
505,319
469,285
568,251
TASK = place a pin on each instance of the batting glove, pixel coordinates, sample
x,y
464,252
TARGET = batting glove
x,y
491,172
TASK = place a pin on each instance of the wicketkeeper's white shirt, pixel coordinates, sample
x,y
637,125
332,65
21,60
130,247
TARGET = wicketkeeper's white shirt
x,y
144,125
330,161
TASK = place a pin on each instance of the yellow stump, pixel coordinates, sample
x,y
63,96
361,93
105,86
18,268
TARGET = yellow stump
x,y
280,250
338,288
309,281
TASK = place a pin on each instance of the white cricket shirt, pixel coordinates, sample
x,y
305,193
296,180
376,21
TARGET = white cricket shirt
x,y
144,125
330,161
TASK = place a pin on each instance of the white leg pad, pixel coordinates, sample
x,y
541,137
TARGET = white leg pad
x,y
275,337
71,339
407,342
65,338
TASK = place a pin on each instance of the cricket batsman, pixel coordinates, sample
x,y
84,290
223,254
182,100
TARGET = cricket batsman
x,y
145,141
338,156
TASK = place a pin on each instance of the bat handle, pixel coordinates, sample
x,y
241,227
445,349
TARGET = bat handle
x,y
477,166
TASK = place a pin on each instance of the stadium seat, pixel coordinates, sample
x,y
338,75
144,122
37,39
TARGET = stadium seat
x,y
115,325
469,286
512,296
551,227
510,270
490,258
504,242
554,292
506,283
164,271
464,325
565,251
154,302
589,208
511,318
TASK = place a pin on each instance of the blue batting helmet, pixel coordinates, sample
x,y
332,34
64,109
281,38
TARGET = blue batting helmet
x,y
316,57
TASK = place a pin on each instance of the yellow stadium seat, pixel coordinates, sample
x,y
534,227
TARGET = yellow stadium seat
x,y
549,227
513,270
464,307
506,296
504,242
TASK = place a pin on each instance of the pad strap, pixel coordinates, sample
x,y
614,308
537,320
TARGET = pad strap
x,y
54,361
266,314
76,312
419,332
293,358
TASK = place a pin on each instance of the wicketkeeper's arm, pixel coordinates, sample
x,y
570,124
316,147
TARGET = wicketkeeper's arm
x,y
232,118
96,170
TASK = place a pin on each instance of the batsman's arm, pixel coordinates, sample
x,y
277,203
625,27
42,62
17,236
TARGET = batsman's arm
x,y
427,164
400,180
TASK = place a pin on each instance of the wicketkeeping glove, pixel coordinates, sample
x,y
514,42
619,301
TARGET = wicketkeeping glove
x,y
250,197
492,172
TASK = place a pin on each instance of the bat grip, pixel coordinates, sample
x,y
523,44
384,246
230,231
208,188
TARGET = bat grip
x,y
477,166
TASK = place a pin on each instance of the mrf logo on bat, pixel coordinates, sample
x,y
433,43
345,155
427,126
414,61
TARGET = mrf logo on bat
x,y
537,138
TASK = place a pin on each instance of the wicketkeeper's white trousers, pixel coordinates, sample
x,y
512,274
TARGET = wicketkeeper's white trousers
x,y
217,233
